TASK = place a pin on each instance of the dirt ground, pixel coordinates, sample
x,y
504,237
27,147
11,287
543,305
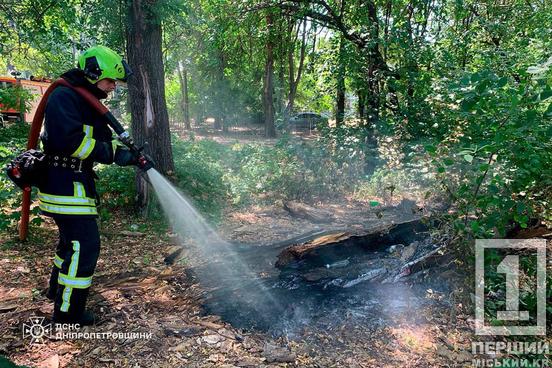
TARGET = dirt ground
x,y
135,291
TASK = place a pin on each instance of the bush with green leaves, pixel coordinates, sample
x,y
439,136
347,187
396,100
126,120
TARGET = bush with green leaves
x,y
15,97
213,174
13,140
259,170
496,160
330,164
495,164
296,168
389,183
116,189
199,171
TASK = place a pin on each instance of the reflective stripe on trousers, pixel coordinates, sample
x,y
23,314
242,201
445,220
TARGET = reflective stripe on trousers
x,y
77,204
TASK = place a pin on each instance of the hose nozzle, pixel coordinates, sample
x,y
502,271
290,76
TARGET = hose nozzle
x,y
145,162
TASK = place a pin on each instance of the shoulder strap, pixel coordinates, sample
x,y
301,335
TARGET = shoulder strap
x,y
36,125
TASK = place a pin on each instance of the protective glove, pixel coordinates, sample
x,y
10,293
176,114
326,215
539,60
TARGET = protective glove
x,y
123,157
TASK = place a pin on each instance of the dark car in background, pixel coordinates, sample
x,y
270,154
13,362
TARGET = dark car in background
x,y
306,120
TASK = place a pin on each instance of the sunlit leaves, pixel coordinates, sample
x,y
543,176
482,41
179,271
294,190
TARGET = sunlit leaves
x,y
505,145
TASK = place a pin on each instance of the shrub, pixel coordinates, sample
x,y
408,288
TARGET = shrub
x,y
261,170
495,163
13,140
116,188
213,174
199,173
387,183
16,97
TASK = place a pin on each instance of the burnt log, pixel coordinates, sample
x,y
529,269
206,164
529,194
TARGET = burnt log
x,y
338,245
353,273
298,251
424,262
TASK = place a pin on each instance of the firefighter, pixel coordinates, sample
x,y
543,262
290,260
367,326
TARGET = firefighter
x,y
75,137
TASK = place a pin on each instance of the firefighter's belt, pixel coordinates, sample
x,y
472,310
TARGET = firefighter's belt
x,y
68,162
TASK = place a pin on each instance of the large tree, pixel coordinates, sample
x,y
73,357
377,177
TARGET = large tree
x,y
183,79
150,121
268,81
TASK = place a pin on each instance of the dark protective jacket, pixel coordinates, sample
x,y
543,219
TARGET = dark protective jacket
x,y
77,136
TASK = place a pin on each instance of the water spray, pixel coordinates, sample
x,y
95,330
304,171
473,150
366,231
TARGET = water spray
x,y
225,270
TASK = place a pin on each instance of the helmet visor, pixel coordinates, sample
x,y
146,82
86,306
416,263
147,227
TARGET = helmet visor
x,y
128,72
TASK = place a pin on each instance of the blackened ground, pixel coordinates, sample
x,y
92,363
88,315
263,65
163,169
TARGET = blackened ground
x,y
343,283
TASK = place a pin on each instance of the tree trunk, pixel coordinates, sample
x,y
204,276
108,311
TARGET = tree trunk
x,y
281,104
340,97
150,120
220,95
376,64
411,66
361,104
282,48
293,79
217,109
183,77
268,85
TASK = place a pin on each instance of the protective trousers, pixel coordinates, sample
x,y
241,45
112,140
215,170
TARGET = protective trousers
x,y
74,263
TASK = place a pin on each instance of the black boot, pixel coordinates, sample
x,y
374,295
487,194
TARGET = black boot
x,y
86,318
76,312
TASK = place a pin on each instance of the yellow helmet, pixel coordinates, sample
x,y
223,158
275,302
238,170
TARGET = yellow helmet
x,y
100,62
